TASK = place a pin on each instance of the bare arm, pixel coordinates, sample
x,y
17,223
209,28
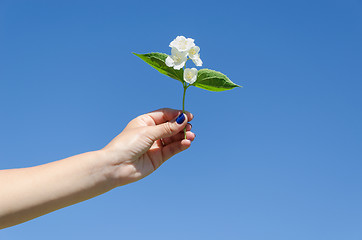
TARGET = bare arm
x,y
28,193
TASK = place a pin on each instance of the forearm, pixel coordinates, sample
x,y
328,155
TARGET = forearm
x,y
31,192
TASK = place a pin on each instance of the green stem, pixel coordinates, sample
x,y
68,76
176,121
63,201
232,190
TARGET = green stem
x,y
183,105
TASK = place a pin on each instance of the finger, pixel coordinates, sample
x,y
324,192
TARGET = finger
x,y
167,129
157,117
167,114
176,136
174,148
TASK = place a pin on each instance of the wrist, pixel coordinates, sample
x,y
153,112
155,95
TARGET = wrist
x,y
118,170
104,165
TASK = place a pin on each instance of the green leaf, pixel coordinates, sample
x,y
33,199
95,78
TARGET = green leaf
x,y
213,81
157,61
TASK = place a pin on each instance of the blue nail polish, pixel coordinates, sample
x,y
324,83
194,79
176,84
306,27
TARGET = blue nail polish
x,y
181,118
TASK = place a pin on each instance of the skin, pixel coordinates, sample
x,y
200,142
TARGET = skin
x,y
135,153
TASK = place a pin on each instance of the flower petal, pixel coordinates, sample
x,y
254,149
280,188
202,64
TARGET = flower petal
x,y
177,53
194,52
179,65
182,44
197,61
169,62
190,75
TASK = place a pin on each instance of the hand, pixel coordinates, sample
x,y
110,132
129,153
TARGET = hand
x,y
147,142
132,155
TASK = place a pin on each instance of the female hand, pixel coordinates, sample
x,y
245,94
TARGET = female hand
x,y
147,142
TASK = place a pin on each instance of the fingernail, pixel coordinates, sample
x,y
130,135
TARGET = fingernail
x,y
180,119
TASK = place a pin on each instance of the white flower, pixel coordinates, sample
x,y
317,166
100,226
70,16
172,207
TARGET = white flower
x,y
194,52
195,56
182,44
190,75
177,59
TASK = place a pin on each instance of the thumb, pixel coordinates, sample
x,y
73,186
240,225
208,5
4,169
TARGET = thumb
x,y
167,129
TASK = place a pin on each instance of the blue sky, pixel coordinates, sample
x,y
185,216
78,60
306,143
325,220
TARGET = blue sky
x,y
277,159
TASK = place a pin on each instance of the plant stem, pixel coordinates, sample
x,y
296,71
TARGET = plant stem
x,y
183,105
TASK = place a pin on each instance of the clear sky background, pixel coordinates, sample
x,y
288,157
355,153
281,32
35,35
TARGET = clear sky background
x,y
278,159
